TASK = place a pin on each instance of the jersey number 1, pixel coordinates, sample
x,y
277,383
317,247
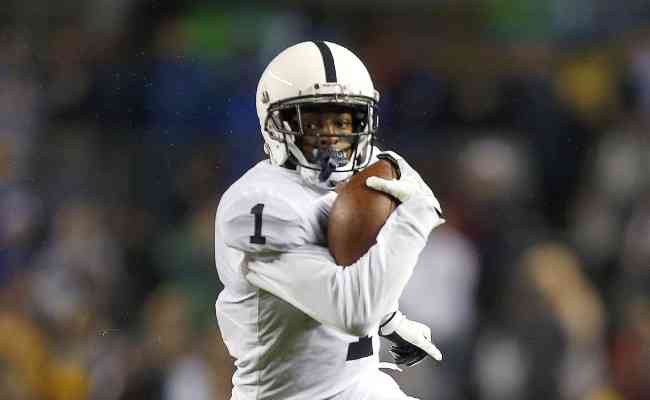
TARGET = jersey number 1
x,y
257,237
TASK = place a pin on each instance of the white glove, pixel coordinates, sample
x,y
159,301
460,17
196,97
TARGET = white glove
x,y
411,340
408,184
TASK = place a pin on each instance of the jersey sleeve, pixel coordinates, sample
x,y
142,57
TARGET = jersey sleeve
x,y
262,222
353,299
259,223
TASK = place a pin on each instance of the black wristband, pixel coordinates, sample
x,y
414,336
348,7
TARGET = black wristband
x,y
389,319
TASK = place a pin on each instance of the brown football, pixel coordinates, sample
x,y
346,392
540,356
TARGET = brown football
x,y
358,214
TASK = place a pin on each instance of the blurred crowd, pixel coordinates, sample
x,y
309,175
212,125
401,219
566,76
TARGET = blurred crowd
x,y
122,122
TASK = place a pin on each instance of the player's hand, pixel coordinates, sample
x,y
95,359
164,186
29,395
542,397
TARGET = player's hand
x,y
411,340
408,184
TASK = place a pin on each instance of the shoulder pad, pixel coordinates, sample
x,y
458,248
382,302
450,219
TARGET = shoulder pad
x,y
259,222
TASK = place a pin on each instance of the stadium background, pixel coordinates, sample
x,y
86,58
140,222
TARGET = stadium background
x,y
122,121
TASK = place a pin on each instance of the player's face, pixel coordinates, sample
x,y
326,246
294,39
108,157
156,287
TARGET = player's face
x,y
327,130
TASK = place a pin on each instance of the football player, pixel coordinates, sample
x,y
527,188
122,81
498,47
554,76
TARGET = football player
x,y
299,325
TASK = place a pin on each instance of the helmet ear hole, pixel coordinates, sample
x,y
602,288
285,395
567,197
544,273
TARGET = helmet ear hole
x,y
289,118
360,121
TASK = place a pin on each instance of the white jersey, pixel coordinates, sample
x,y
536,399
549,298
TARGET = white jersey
x,y
298,325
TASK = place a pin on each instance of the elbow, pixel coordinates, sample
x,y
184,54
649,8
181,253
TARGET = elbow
x,y
359,330
365,326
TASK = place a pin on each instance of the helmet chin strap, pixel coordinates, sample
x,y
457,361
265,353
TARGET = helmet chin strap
x,y
312,177
326,176
321,168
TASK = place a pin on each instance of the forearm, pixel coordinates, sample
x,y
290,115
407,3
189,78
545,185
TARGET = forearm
x,y
353,299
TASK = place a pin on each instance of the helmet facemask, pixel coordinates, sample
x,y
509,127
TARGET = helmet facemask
x,y
325,159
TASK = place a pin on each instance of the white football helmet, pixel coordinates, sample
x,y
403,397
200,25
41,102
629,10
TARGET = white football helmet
x,y
312,74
